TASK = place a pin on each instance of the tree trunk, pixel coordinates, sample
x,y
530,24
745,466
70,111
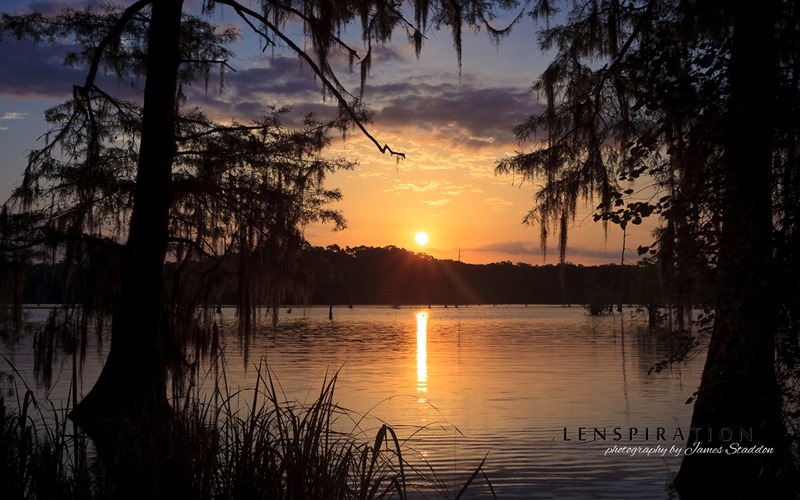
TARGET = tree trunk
x,y
739,393
132,384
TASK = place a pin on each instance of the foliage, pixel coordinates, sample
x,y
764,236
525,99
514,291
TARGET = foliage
x,y
686,345
43,461
632,93
240,193
637,91
599,300
662,92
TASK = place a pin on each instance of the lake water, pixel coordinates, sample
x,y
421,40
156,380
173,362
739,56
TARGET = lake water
x,y
535,388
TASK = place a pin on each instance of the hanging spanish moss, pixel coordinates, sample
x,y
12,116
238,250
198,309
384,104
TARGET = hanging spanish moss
x,y
240,194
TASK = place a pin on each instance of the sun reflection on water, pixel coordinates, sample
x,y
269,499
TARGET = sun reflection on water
x,y
422,352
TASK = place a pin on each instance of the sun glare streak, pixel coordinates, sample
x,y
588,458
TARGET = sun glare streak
x,y
422,352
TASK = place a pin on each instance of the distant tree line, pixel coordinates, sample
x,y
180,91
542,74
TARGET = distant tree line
x,y
395,276
392,275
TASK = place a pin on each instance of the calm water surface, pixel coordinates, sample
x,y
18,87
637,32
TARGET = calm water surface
x,y
470,381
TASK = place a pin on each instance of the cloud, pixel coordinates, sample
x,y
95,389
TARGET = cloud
x,y
528,248
471,115
29,70
277,76
508,247
386,54
368,174
32,71
437,203
497,203
611,255
467,115
49,9
416,187
13,116
10,115
248,94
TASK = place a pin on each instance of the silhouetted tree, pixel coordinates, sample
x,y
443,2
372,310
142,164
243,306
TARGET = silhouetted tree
x,y
214,199
168,181
676,92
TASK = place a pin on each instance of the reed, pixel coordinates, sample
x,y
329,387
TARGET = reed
x,y
223,444
44,461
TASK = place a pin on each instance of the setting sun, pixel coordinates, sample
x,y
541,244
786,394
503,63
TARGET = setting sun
x,y
421,238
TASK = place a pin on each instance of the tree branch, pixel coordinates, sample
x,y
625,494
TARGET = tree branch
x,y
116,32
224,63
335,88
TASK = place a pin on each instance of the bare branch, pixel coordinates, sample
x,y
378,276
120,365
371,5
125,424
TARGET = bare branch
x,y
333,86
115,33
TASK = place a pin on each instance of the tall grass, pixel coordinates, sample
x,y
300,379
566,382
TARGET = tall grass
x,y
44,461
223,444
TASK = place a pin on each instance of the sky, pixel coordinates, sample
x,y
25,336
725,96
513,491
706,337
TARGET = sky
x,y
453,124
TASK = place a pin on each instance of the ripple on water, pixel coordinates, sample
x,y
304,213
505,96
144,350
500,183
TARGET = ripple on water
x,y
501,381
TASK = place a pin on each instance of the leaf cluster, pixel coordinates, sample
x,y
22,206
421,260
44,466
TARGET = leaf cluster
x,y
633,92
633,212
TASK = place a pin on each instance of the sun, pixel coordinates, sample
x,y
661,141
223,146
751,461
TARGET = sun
x,y
421,238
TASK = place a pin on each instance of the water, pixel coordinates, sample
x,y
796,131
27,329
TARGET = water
x,y
516,383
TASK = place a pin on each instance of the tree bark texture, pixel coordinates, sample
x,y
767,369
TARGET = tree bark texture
x,y
132,383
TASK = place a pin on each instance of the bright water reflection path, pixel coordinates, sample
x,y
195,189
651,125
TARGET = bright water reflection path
x,y
422,352
510,379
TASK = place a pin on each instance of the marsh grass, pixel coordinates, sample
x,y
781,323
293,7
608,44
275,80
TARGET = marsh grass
x,y
222,444
41,460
